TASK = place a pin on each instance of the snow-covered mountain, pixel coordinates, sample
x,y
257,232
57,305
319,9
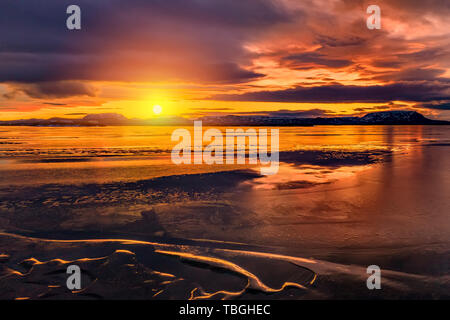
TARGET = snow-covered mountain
x,y
394,117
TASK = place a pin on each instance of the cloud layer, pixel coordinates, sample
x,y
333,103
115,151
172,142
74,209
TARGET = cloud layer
x,y
311,51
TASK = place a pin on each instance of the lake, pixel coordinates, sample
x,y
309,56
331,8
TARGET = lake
x,y
344,197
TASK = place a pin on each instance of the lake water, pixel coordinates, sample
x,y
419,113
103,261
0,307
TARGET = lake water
x,y
351,195
99,154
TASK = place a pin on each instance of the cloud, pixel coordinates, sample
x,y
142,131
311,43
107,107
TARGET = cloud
x,y
54,104
341,93
63,89
283,113
310,60
211,109
435,106
333,41
387,63
386,107
152,40
225,73
412,74
76,114
280,47
311,113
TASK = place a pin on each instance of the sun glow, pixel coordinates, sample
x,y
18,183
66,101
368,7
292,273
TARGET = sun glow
x,y
157,109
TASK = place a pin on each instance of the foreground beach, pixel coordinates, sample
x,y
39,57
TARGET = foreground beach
x,y
118,269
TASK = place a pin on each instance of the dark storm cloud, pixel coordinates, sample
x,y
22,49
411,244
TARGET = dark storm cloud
x,y
37,67
63,89
340,93
206,42
436,106
133,40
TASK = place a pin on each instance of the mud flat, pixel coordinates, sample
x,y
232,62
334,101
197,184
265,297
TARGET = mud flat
x,y
32,268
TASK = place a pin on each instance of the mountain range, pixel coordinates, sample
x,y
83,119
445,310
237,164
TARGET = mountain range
x,y
114,119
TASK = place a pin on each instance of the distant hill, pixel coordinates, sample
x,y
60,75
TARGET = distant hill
x,y
114,119
109,119
375,118
395,117
98,119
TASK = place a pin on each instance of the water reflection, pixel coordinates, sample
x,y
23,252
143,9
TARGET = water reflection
x,y
362,193
398,204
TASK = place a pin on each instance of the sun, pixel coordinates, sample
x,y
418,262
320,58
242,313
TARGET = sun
x,y
157,109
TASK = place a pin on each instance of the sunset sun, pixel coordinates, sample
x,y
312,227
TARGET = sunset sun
x,y
157,109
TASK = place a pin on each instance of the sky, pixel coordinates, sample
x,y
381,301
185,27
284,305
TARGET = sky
x,y
212,57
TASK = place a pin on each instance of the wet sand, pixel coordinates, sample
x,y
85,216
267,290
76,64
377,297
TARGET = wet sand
x,y
127,269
